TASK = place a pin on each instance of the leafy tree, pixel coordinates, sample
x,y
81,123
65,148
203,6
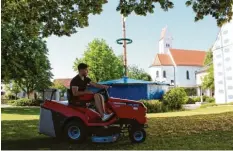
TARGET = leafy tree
x,y
12,88
63,17
19,52
58,17
102,62
209,58
208,81
23,21
221,10
136,73
36,68
58,85
15,89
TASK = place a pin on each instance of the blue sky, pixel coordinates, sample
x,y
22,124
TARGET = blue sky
x,y
144,31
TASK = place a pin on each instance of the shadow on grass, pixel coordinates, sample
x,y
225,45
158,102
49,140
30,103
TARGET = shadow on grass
x,y
24,135
21,110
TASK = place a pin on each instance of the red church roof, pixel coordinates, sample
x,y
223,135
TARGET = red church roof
x,y
181,58
188,57
162,59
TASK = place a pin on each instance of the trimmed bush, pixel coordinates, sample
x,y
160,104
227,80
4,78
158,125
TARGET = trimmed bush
x,y
210,100
191,91
175,98
204,97
190,101
197,99
24,102
193,100
154,106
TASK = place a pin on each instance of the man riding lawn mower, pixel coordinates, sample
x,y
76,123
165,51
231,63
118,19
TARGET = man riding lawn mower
x,y
78,86
76,119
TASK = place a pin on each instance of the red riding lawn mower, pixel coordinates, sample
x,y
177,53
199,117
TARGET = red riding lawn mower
x,y
76,122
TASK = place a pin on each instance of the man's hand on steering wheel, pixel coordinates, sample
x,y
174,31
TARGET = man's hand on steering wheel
x,y
105,86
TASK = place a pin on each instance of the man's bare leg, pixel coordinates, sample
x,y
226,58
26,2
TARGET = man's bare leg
x,y
102,101
99,100
99,104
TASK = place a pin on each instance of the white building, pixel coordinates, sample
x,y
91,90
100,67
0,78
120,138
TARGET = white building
x,y
223,64
176,66
200,75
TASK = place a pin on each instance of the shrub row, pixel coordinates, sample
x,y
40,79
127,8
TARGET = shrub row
x,y
198,99
172,100
154,106
24,102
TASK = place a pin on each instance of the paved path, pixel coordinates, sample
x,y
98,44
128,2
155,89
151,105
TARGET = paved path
x,y
191,106
5,105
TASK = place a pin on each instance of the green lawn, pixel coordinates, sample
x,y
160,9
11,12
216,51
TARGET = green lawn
x,y
209,128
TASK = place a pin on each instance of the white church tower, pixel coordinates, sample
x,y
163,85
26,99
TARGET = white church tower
x,y
223,64
165,41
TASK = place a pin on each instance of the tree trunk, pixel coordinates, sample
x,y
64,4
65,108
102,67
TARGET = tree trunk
x,y
28,94
16,96
35,96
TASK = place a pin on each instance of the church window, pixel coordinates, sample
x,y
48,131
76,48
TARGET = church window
x,y
229,69
219,64
157,74
221,91
225,32
226,41
227,59
219,56
164,74
230,96
229,78
187,75
167,45
220,82
227,50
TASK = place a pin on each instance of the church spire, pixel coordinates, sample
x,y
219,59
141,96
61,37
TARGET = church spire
x,y
165,41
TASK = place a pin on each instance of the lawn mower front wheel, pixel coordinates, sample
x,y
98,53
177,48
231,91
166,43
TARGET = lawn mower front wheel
x,y
75,131
137,135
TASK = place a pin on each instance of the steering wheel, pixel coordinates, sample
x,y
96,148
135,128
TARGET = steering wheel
x,y
105,93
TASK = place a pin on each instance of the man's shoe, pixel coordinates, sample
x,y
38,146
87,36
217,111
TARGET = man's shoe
x,y
107,117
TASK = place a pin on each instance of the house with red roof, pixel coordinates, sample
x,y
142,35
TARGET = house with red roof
x,y
65,82
176,66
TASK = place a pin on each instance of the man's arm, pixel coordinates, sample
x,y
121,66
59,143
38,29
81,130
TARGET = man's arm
x,y
79,93
100,86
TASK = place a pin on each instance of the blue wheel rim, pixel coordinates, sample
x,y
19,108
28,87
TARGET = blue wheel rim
x,y
74,132
138,135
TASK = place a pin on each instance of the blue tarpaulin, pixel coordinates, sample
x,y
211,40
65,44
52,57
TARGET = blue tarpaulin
x,y
126,80
133,89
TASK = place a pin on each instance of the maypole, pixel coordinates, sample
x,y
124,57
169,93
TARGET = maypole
x,y
124,41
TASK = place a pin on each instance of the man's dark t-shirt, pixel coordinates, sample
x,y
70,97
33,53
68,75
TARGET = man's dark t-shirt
x,y
78,82
81,84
